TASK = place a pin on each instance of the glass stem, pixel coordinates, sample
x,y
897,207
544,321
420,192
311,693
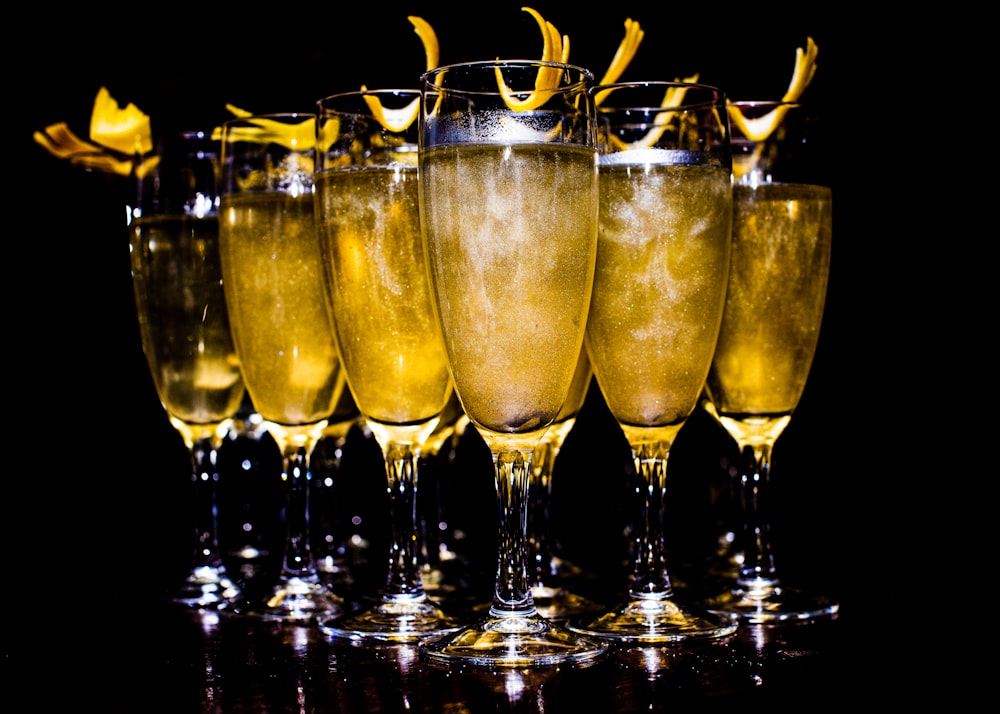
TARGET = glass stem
x,y
205,475
512,595
298,557
540,558
650,578
757,569
328,525
403,579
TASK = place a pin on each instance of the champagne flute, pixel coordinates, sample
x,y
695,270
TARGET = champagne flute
x,y
659,289
176,276
782,230
277,309
508,206
391,349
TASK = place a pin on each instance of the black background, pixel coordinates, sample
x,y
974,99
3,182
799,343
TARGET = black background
x,y
96,471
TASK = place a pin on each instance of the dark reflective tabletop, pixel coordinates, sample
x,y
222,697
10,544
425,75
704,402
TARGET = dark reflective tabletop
x,y
121,546
191,662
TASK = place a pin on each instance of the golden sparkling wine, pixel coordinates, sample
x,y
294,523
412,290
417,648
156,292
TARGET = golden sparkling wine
x,y
512,270
663,244
277,305
372,247
578,389
777,289
183,320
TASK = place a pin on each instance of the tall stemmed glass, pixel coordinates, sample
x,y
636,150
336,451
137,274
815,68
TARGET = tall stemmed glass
x,y
782,230
508,202
391,349
274,285
177,279
659,288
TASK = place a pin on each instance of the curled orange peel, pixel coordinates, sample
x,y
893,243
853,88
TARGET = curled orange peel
x,y
62,143
555,48
121,139
237,112
623,56
762,127
299,136
397,120
125,130
672,98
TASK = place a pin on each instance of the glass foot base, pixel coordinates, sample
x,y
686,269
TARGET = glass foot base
x,y
659,620
392,621
773,604
558,605
206,588
513,641
297,600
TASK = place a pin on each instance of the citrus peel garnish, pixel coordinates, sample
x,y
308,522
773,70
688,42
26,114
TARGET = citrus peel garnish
x,y
237,112
62,143
555,48
300,136
119,136
125,130
671,98
394,120
398,120
623,56
762,127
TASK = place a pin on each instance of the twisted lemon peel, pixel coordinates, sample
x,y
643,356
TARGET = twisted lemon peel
x,y
555,48
118,134
400,119
762,127
623,56
671,98
297,136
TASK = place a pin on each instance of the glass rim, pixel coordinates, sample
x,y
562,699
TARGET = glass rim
x,y
718,100
282,116
764,103
407,94
198,134
369,92
586,76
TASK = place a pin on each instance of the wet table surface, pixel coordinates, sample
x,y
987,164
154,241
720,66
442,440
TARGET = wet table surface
x,y
181,661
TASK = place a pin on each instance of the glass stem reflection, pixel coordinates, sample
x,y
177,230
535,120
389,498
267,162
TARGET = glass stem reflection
x,y
512,595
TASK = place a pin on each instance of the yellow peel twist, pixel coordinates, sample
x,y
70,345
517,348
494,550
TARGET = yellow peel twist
x,y
623,56
119,136
671,98
762,127
125,130
397,120
555,48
